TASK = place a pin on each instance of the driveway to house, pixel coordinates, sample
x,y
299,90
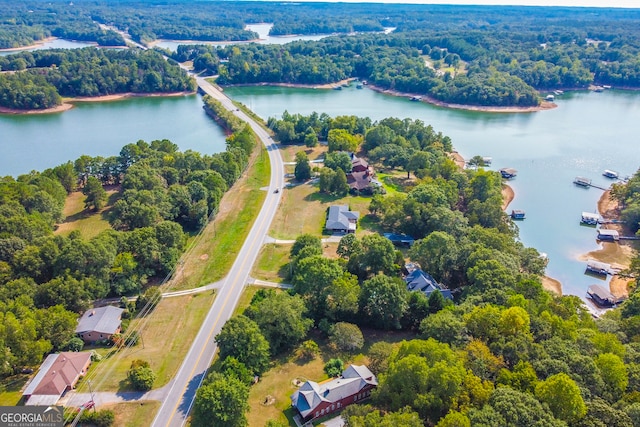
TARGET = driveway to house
x,y
182,389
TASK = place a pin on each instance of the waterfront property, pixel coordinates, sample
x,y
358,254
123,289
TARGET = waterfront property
x,y
341,220
419,281
315,400
58,374
608,235
99,323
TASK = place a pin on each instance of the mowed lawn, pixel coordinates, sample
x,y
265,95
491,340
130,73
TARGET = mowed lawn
x,y
273,261
303,210
167,334
89,223
270,398
134,414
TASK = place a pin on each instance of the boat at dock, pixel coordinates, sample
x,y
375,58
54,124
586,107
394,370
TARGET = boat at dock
x,y
517,214
598,268
602,297
582,181
508,173
605,235
610,174
558,92
589,218
550,97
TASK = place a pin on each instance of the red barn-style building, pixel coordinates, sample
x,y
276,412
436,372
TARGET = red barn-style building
x,y
315,400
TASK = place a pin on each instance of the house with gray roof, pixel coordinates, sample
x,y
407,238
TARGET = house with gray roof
x,y
99,323
315,400
341,220
418,280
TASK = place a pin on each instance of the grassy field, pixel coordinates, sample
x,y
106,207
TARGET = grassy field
x,y
134,414
273,263
303,209
222,238
270,397
313,153
90,224
11,389
169,330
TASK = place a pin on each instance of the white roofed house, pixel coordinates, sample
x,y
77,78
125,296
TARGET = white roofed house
x,y
341,220
316,400
99,323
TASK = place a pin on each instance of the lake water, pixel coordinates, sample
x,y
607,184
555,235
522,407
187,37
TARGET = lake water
x,y
587,133
52,44
40,141
261,29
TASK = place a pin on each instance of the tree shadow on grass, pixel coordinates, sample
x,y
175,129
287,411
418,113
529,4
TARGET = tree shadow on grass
x,y
322,197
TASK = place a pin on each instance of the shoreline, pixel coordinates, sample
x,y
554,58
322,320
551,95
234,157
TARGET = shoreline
x,y
68,103
618,254
544,105
31,46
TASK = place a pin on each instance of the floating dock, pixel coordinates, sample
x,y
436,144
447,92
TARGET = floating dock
x,y
610,174
517,214
508,173
589,218
608,235
600,268
581,181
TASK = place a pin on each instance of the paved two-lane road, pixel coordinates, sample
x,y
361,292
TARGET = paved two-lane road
x,y
182,389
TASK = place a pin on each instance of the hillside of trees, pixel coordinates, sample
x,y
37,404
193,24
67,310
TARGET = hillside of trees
x,y
42,77
47,279
504,352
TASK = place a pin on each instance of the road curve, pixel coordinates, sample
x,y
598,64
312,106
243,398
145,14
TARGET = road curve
x,y
182,389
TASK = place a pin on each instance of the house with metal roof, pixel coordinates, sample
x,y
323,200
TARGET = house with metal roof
x,y
418,280
315,400
341,220
58,374
99,323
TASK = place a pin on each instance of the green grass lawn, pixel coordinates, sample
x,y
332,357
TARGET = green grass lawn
x,y
273,263
11,389
134,414
90,224
270,397
167,334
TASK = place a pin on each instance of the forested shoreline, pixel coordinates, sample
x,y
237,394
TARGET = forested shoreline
x,y
48,279
40,79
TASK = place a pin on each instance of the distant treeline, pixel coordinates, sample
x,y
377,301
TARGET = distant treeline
x,y
43,76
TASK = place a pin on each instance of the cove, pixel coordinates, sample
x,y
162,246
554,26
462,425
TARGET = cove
x,y
40,141
587,133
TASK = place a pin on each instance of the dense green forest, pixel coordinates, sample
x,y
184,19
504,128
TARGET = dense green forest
x,y
505,353
46,279
43,76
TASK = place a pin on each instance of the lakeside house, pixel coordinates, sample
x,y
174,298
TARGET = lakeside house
x,y
58,374
315,400
420,281
360,179
341,220
99,323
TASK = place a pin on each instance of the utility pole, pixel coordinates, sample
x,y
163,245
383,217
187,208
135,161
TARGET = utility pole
x,y
92,399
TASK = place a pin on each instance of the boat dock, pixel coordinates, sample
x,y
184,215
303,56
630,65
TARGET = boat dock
x,y
586,182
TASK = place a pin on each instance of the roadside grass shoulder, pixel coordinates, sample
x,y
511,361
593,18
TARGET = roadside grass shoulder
x,y
273,263
166,335
133,414
212,254
90,224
